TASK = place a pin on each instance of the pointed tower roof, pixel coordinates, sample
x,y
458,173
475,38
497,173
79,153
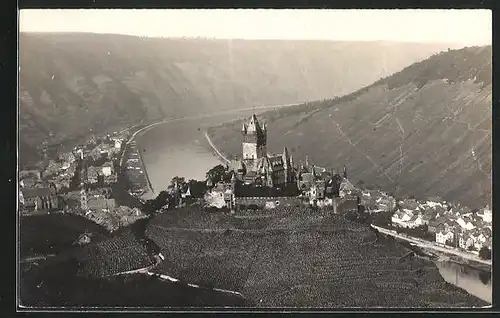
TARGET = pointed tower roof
x,y
285,152
253,125
188,192
244,128
233,177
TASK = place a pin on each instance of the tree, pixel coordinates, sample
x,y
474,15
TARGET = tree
x,y
485,253
153,206
218,173
198,188
181,183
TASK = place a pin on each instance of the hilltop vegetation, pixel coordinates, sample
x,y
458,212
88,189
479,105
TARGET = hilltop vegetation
x,y
423,131
296,257
70,83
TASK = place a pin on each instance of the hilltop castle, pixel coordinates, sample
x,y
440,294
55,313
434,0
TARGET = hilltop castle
x,y
258,169
256,166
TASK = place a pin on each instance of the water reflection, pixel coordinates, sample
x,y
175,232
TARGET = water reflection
x,y
475,281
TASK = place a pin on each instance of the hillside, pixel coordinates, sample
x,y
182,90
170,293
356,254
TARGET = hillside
x,y
54,233
423,131
294,257
70,83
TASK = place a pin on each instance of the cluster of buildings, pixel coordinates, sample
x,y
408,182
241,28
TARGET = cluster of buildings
x,y
257,168
453,225
45,189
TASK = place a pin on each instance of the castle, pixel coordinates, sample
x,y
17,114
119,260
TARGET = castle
x,y
256,166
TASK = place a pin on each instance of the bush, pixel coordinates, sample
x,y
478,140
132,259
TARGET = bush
x,y
485,253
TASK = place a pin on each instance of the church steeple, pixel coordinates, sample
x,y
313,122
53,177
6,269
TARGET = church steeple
x,y
345,172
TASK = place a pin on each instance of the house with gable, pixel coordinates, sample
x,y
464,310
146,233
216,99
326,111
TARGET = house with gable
x,y
465,241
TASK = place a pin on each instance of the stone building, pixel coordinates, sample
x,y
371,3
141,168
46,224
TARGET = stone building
x,y
39,199
256,166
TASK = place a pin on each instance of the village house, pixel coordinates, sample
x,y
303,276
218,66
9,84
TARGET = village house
x,y
118,144
100,202
465,225
485,214
221,195
39,199
107,169
400,218
466,241
92,175
443,236
415,221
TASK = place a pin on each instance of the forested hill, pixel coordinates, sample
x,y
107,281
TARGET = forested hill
x,y
72,82
423,131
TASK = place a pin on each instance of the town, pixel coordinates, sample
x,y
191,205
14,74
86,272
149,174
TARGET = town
x,y
84,181
103,180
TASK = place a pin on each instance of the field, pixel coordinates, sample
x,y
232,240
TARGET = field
x,y
53,233
297,258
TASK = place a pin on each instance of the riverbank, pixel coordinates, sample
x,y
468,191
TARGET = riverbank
x,y
431,246
216,151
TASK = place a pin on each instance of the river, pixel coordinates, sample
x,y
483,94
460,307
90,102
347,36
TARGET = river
x,y
475,281
179,148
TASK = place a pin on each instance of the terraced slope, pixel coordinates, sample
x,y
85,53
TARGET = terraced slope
x,y
424,131
70,83
298,258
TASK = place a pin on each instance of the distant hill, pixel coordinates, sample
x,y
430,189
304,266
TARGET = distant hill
x,y
423,131
70,83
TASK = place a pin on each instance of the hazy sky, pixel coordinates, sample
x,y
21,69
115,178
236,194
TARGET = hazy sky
x,y
470,27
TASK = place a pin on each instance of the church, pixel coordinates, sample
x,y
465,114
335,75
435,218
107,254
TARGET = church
x,y
256,166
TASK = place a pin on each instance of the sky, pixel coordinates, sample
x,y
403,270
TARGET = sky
x,y
469,27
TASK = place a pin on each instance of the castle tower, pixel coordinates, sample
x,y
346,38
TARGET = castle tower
x,y
254,139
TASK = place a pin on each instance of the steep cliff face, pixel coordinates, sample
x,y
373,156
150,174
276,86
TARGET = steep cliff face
x,y
70,83
423,131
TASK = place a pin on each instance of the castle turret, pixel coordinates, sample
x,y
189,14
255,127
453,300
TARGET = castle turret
x,y
254,140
